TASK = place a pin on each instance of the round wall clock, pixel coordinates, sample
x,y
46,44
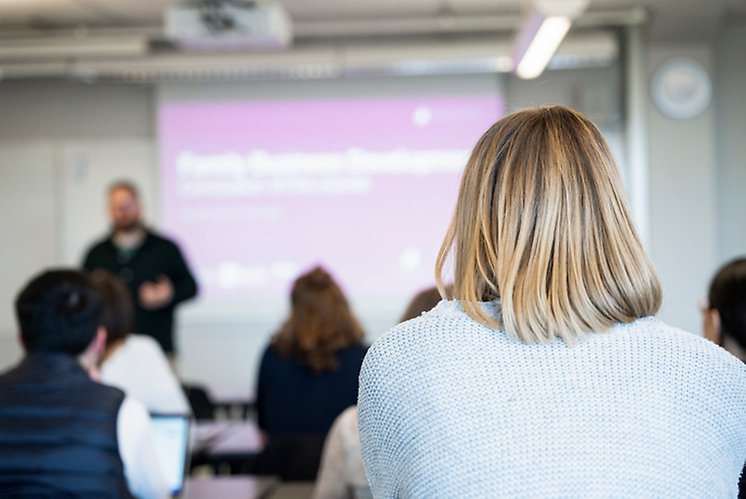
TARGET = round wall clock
x,y
681,88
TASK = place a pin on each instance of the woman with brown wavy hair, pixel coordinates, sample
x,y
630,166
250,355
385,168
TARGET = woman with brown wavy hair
x,y
321,323
309,373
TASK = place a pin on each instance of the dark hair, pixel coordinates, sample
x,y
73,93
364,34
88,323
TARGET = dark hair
x,y
422,302
58,311
124,185
320,324
728,296
117,312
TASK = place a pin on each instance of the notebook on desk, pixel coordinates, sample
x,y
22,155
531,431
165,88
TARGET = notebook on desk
x,y
171,439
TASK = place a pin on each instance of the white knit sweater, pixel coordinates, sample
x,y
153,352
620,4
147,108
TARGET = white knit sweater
x,y
450,408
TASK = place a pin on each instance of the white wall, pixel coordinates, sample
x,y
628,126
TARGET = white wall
x,y
698,177
683,205
31,237
56,142
730,141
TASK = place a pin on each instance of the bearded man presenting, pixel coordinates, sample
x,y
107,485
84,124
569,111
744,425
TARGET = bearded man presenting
x,y
151,266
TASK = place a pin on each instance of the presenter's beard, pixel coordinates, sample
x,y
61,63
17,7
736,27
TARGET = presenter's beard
x,y
127,228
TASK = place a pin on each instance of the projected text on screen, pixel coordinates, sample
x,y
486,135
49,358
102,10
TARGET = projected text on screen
x,y
259,191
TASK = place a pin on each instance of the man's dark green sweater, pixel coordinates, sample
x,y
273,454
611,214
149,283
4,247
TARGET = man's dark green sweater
x,y
156,256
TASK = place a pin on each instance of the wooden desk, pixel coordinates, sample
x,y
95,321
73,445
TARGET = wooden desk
x,y
243,487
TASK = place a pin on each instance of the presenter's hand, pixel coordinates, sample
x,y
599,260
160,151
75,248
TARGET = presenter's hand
x,y
157,294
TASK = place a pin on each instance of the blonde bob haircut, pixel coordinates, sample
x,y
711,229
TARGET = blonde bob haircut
x,y
541,224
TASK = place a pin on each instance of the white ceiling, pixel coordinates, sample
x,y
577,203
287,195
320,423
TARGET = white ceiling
x,y
40,14
124,39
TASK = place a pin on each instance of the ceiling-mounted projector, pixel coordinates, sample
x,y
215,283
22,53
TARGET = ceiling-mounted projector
x,y
228,24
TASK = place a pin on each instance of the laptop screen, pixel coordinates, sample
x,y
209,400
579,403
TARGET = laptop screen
x,y
171,438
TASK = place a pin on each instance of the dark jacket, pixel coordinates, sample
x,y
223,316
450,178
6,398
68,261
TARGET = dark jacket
x,y
58,431
155,256
291,399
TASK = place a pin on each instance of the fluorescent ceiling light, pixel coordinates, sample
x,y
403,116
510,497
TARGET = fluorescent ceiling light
x,y
542,33
543,46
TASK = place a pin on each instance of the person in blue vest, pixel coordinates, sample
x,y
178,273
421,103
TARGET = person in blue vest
x,y
63,434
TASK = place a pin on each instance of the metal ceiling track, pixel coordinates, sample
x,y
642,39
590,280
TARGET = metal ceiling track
x,y
322,49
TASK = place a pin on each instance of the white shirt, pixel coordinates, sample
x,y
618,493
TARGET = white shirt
x,y
141,468
140,368
342,475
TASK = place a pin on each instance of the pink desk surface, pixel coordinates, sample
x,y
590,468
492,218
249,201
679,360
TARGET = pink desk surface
x,y
238,487
218,438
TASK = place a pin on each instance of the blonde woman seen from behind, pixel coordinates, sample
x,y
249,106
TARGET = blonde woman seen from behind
x,y
545,374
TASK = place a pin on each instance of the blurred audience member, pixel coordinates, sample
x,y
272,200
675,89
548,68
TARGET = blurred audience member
x,y
725,314
62,434
151,266
133,362
342,475
421,302
308,375
724,318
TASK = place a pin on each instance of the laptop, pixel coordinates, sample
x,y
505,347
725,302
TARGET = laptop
x,y
171,439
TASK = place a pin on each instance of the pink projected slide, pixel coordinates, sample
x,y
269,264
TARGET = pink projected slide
x,y
257,192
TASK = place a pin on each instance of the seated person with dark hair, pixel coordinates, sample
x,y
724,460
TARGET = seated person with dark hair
x,y
62,434
725,313
134,363
724,317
